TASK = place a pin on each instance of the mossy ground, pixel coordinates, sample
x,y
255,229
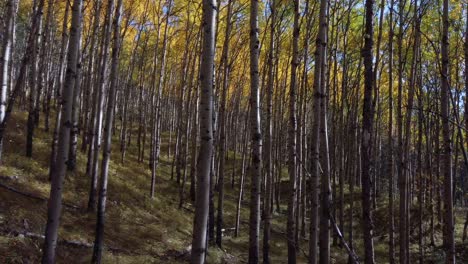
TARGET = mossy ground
x,y
139,229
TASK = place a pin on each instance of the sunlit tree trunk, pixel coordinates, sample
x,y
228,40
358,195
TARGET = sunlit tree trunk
x,y
325,188
91,169
191,127
156,148
71,165
99,238
6,55
194,141
206,134
244,161
100,85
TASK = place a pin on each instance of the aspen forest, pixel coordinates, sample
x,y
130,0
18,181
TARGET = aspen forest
x,y
234,131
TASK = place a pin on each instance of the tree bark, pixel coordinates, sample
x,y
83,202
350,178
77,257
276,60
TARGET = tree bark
x,y
71,165
391,184
448,230
256,174
222,123
292,138
6,55
465,183
156,150
206,134
58,175
268,140
320,57
402,183
367,135
33,82
98,242
91,169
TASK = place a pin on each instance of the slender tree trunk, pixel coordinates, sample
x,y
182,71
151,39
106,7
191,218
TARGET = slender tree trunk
x,y
268,140
87,128
98,242
403,231
206,134
420,174
43,62
346,163
222,125
21,79
92,136
242,176
391,227
6,55
367,128
157,124
99,106
256,175
325,188
448,230
305,83
33,83
465,183
320,57
191,129
71,165
58,175
194,140
292,133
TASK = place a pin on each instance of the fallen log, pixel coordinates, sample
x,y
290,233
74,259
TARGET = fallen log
x,y
62,242
352,255
35,197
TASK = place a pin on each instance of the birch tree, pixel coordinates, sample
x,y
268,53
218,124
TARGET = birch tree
x,y
54,205
367,136
99,238
206,134
256,140
6,51
320,57
448,230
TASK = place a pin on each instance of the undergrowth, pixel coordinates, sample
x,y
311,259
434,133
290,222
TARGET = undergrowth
x,y
140,229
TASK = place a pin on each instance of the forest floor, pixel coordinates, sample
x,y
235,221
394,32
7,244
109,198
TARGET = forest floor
x,y
139,229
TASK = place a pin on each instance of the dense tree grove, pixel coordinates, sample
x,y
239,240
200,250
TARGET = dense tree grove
x,y
301,131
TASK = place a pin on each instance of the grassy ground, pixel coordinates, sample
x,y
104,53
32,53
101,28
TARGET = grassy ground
x,y
138,229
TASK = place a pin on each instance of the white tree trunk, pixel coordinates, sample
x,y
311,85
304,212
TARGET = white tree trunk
x,y
448,230
256,168
206,133
99,238
5,59
320,56
58,175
